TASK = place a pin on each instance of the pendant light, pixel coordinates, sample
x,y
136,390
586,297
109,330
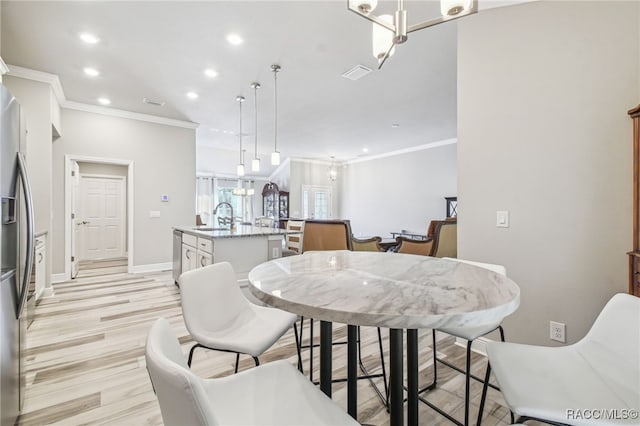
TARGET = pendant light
x,y
255,163
332,173
240,168
275,155
389,31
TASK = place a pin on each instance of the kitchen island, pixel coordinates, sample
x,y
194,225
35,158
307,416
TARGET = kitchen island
x,y
244,247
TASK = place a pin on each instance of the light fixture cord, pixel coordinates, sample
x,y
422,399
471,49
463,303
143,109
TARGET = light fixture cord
x,y
255,98
240,134
275,109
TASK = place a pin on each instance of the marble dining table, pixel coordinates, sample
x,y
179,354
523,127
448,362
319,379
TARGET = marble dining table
x,y
382,289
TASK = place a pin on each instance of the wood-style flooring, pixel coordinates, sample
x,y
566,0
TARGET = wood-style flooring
x,y
85,356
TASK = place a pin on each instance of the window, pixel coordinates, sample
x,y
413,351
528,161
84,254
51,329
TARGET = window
x,y
316,202
211,191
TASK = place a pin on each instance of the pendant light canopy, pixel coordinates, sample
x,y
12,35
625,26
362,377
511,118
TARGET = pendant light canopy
x,y
255,163
275,155
240,168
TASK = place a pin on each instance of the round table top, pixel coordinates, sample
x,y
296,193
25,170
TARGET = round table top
x,y
384,289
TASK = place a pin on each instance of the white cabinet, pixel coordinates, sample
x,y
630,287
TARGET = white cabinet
x,y
196,252
189,257
204,259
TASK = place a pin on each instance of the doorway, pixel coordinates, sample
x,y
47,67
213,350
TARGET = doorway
x,y
316,202
99,206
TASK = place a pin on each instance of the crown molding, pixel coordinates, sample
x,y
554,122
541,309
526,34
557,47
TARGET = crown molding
x,y
96,109
3,67
314,161
404,151
54,82
43,77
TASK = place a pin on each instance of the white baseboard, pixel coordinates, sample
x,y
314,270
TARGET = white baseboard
x,y
478,346
47,292
152,267
58,278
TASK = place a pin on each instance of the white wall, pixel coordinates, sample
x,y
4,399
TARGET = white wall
x,y
543,91
403,191
164,163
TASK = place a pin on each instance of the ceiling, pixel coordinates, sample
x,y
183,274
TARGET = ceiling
x,y
160,49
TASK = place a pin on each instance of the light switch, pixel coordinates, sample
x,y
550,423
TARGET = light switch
x,y
502,218
154,213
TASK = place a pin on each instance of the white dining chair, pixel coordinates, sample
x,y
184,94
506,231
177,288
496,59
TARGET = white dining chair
x,y
592,382
293,241
468,333
271,394
219,317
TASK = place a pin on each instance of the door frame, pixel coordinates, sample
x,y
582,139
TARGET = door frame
x,y
123,180
68,234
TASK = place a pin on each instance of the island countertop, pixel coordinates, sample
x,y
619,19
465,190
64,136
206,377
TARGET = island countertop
x,y
239,231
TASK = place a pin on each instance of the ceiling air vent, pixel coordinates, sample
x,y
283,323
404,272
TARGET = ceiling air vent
x,y
153,102
357,72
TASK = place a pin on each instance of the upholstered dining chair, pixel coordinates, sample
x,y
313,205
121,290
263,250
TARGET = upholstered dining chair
x,y
271,394
445,239
468,333
326,235
219,317
366,244
411,246
599,374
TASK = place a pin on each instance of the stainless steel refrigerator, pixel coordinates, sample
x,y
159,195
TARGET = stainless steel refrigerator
x,y
16,255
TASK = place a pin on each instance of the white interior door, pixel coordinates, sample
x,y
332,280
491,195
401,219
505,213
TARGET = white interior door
x,y
102,200
75,217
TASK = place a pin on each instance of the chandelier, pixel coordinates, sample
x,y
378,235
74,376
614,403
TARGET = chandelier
x,y
389,31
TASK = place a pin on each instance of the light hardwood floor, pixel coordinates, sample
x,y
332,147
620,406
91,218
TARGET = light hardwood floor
x,y
85,356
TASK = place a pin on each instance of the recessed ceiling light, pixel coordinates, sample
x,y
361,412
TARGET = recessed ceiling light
x,y
89,38
210,73
104,101
192,95
234,39
91,72
365,149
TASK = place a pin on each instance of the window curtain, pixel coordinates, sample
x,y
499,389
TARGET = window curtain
x,y
204,199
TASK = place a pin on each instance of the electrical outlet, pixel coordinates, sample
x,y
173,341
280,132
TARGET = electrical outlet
x,y
557,331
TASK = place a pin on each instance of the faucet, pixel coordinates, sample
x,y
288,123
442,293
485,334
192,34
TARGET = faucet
x,y
215,210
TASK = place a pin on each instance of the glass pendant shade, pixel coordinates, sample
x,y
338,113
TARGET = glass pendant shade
x,y
240,170
255,165
454,7
275,158
382,38
364,6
